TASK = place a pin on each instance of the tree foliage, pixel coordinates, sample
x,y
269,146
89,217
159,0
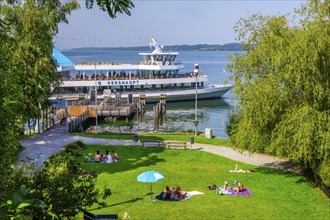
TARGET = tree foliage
x,y
57,190
282,83
27,71
113,7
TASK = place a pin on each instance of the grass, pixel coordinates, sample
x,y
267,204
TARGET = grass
x,y
173,137
276,194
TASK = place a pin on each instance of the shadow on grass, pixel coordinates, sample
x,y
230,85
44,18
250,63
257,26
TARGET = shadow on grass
x,y
116,204
285,168
130,158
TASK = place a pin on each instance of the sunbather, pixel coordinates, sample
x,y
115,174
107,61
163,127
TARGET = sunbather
x,y
236,170
180,194
107,157
115,157
97,157
224,190
167,192
226,187
239,186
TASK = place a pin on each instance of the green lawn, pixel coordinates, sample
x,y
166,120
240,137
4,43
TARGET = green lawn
x,y
276,194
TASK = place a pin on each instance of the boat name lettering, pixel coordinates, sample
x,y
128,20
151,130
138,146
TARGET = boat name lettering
x,y
120,82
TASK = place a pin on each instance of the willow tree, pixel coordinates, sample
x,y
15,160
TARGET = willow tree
x,y
282,84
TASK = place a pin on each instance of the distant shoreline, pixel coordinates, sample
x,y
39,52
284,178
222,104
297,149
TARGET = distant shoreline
x,y
196,47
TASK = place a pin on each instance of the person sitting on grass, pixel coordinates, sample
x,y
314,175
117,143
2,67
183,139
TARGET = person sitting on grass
x,y
167,192
179,193
97,157
225,190
114,156
239,186
108,157
225,187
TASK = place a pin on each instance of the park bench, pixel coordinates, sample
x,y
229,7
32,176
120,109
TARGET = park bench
x,y
89,216
151,143
176,144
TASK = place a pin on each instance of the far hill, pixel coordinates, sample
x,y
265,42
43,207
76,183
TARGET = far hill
x,y
196,47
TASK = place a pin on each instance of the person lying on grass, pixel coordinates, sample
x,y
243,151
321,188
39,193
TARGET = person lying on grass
x,y
236,170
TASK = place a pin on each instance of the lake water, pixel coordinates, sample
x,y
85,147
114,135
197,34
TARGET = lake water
x,y
179,115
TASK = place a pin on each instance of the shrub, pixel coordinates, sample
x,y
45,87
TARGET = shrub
x,y
66,193
324,173
75,148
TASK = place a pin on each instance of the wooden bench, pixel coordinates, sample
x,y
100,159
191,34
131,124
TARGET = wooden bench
x,y
89,216
151,143
176,144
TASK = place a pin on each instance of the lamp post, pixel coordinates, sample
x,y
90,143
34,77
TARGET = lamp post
x,y
196,71
96,122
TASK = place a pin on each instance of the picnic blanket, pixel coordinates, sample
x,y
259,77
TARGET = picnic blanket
x,y
188,196
244,192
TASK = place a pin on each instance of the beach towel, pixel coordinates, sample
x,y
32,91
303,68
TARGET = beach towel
x,y
188,196
191,194
244,192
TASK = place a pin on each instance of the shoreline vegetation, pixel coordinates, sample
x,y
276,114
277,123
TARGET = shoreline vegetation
x,y
195,47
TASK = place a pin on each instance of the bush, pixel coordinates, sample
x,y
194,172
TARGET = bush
x,y
75,148
65,192
324,173
81,144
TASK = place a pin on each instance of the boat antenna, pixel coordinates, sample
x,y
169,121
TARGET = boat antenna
x,y
154,44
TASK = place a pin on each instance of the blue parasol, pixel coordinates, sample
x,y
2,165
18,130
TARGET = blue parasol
x,y
150,177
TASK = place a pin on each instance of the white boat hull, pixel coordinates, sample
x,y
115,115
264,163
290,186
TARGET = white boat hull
x,y
180,95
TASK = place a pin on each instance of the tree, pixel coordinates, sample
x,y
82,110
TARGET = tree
x,y
282,84
112,6
27,70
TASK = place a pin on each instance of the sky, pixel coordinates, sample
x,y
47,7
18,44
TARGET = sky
x,y
171,22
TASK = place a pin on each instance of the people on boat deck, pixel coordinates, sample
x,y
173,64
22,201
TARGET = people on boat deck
x,y
108,157
97,157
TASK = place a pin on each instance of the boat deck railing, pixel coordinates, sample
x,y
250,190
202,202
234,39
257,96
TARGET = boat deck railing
x,y
133,77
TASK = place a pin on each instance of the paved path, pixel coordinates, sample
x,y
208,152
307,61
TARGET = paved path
x,y
39,148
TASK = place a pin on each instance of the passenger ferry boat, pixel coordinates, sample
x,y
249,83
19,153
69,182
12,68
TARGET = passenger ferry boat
x,y
158,73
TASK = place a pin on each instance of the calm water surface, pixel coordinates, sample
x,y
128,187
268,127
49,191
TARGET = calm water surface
x,y
180,115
